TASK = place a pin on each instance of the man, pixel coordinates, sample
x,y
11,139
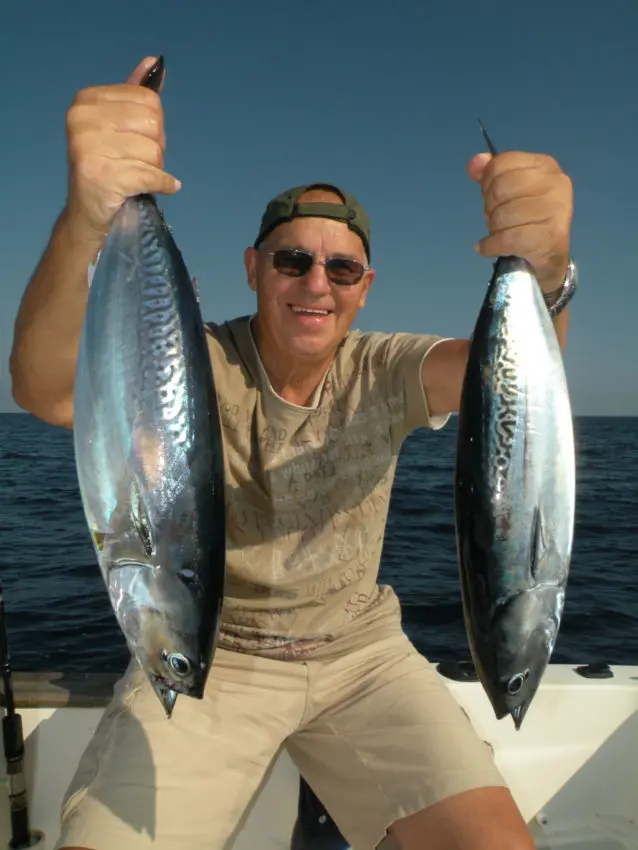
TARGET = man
x,y
311,652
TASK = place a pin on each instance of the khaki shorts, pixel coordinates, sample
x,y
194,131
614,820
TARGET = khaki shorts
x,y
374,732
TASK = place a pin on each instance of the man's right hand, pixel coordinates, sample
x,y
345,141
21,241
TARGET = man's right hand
x,y
116,142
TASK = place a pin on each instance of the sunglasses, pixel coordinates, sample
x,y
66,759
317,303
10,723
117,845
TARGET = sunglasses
x,y
295,263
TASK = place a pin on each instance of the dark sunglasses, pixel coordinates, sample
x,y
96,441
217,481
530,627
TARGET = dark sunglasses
x,y
295,263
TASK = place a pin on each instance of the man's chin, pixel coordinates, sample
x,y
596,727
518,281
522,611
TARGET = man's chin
x,y
315,346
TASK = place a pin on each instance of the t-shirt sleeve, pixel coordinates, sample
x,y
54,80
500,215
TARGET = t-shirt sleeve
x,y
398,362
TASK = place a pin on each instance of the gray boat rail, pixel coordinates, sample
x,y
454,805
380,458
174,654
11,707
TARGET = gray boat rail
x,y
50,689
55,689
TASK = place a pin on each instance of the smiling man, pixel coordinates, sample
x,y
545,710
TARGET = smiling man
x,y
311,652
305,306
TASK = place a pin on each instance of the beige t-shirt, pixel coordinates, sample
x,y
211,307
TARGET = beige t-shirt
x,y
308,488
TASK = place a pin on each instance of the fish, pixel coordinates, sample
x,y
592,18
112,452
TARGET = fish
x,y
148,450
514,488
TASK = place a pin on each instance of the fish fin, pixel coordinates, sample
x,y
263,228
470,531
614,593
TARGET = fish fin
x,y
537,545
141,521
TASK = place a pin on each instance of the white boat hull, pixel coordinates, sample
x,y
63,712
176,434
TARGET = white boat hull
x,y
573,768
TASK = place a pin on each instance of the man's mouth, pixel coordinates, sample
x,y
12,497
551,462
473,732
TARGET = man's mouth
x,y
309,311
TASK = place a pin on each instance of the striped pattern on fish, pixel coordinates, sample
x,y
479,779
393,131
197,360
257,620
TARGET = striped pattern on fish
x,y
161,362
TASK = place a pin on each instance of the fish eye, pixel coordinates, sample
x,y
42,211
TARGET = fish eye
x,y
178,663
515,684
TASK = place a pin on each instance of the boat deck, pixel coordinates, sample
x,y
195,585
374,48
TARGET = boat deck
x,y
573,768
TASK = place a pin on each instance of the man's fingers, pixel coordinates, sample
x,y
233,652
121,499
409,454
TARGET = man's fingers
x,y
476,166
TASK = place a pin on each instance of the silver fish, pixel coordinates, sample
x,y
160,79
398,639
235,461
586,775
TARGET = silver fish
x,y
514,489
149,453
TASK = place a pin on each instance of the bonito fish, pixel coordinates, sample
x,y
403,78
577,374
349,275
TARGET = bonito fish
x,y
514,489
148,450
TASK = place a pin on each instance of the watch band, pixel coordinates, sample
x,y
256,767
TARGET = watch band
x,y
557,300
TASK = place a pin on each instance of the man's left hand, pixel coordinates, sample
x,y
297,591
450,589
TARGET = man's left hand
x,y
528,204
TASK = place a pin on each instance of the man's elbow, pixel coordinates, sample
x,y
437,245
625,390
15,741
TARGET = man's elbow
x,y
442,374
57,412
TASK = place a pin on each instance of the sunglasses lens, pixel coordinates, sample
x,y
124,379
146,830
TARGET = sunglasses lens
x,y
292,263
298,263
344,272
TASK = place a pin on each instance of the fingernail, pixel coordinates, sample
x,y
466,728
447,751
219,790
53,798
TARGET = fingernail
x,y
178,185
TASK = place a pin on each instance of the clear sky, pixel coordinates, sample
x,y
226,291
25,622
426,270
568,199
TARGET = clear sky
x,y
380,97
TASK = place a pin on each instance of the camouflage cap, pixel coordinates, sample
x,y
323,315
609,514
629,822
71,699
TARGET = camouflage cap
x,y
285,207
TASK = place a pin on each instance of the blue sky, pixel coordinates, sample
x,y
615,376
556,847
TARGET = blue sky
x,y
382,98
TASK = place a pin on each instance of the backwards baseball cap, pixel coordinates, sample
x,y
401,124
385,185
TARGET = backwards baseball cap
x,y
286,206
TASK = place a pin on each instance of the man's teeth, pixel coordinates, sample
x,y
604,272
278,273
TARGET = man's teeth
x,y
310,310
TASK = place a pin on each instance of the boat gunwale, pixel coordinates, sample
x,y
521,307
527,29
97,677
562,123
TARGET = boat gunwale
x,y
59,689
56,689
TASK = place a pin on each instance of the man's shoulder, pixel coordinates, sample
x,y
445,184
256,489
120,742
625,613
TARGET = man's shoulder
x,y
231,349
229,339
382,346
222,331
358,342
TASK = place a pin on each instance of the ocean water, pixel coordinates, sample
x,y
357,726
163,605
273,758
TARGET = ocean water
x,y
59,616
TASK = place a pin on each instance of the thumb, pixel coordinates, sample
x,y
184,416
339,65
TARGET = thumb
x,y
476,166
138,73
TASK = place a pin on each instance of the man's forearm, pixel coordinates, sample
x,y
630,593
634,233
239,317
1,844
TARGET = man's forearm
x,y
561,326
49,322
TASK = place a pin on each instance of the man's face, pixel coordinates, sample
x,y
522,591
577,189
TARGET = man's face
x,y
307,316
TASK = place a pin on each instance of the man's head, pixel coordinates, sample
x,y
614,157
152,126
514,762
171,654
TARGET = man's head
x,y
310,269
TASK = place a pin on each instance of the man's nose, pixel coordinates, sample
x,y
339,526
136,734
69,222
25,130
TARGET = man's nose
x,y
316,280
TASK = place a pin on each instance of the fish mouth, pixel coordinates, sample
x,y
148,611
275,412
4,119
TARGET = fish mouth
x,y
518,715
168,691
192,689
516,712
166,695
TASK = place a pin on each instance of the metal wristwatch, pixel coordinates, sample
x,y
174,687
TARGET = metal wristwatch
x,y
557,300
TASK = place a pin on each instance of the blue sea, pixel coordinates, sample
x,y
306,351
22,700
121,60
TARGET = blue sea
x,y
59,617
